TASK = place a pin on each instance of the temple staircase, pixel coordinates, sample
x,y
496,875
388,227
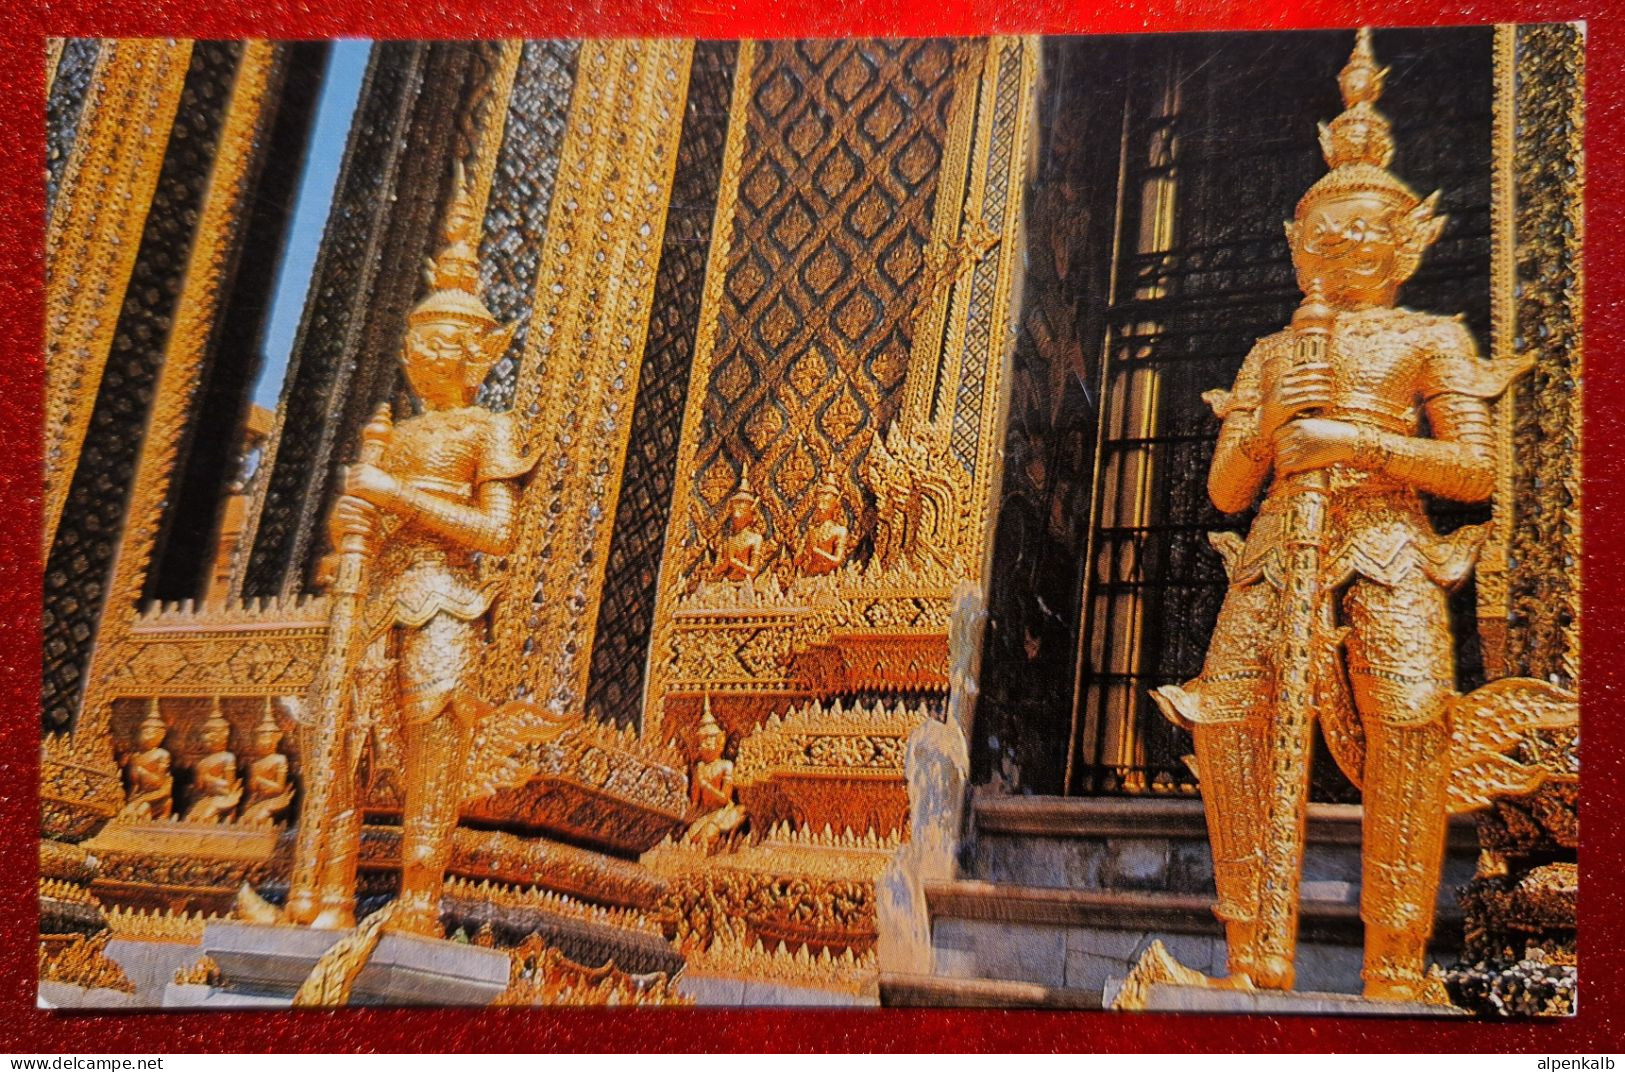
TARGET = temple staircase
x,y
1057,897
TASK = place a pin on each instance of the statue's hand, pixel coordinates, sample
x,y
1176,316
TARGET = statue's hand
x,y
1314,443
1300,387
372,484
351,516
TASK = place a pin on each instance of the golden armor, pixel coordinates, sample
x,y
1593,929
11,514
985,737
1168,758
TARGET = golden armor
x,y
150,783
1337,607
216,786
824,548
269,791
711,788
428,497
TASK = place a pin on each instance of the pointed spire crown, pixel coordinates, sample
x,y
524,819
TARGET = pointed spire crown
x,y
1359,144
709,727
453,274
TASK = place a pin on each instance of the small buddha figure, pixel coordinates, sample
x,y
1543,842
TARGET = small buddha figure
x,y
711,789
741,546
150,784
216,786
824,548
269,791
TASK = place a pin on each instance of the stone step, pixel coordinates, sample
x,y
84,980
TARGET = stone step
x,y
1080,938
1160,844
943,992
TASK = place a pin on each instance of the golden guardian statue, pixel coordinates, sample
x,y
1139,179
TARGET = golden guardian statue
x,y
1337,606
429,496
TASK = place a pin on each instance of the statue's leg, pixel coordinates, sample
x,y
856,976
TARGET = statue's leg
x,y
1232,743
1402,669
433,659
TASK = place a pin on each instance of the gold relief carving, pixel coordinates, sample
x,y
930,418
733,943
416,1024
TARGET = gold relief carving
x,y
828,538
80,787
180,928
584,347
949,254
717,815
535,898
261,648
53,60
65,861
217,788
506,858
737,552
832,767
542,975
149,785
1490,576
904,660
82,961
94,234
1337,610
795,636
269,789
212,255
1548,172
205,972
845,971
707,904
200,839
917,502
596,783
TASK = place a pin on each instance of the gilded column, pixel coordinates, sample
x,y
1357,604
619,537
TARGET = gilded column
x,y
94,235
1491,580
208,272
578,375
1545,284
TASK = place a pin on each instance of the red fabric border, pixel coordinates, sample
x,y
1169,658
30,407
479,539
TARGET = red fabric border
x,y
24,1028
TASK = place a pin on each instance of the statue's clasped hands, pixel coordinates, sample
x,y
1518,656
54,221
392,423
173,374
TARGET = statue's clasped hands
x,y
1304,442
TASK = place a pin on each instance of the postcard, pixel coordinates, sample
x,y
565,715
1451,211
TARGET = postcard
x,y
1069,522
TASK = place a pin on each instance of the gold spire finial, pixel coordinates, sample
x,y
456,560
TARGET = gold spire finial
x,y
154,720
1358,146
745,491
708,722
268,726
1361,135
453,274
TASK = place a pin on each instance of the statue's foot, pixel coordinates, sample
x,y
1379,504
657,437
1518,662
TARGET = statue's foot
x,y
417,916
1271,973
301,907
1418,990
334,918
250,907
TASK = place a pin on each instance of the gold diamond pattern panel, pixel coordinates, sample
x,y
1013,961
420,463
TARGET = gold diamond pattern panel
x,y
845,139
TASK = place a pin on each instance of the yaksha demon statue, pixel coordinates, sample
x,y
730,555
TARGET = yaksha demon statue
x,y
1337,602
429,496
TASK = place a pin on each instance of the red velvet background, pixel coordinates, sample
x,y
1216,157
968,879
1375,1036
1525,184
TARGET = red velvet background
x,y
25,1029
